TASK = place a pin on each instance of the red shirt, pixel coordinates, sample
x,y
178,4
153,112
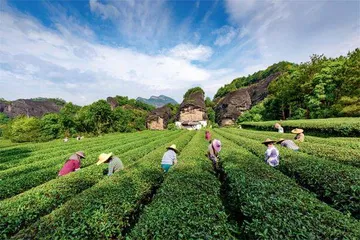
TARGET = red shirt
x,y
70,166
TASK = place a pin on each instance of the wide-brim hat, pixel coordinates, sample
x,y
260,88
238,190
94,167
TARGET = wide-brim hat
x,y
103,158
216,145
280,140
268,140
81,154
297,130
173,147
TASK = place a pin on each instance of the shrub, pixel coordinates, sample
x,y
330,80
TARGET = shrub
x,y
316,174
270,205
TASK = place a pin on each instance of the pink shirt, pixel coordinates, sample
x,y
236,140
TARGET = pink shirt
x,y
207,136
70,166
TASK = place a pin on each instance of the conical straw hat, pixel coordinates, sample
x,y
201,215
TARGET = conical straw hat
x,y
103,158
173,147
268,140
81,154
297,130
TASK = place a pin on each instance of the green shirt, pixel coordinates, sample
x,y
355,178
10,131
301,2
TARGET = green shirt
x,y
115,165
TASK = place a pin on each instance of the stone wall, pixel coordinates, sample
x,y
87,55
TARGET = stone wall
x,y
227,122
191,114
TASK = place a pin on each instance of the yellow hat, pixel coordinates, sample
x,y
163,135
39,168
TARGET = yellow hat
x,y
280,140
173,147
103,158
297,130
268,140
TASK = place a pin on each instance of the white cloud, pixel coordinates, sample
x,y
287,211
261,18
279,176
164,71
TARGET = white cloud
x,y
191,52
225,35
37,61
145,22
239,10
273,31
106,11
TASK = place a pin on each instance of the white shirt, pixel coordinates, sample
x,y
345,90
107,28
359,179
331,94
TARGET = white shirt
x,y
169,157
272,156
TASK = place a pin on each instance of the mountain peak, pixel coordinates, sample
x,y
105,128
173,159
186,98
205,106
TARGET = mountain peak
x,y
157,101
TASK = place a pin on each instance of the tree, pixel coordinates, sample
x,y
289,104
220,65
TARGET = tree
x,y
25,129
253,115
211,114
122,119
209,103
50,126
3,121
100,114
83,120
67,118
193,90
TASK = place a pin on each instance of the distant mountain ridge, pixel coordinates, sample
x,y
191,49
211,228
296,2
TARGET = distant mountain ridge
x,y
157,101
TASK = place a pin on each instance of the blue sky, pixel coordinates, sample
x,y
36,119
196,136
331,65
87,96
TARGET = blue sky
x,y
83,51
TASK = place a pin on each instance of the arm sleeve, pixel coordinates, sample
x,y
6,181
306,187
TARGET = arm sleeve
x,y
76,165
211,151
111,169
173,157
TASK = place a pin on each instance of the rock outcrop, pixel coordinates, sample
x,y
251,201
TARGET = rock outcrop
x,y
235,103
112,102
158,118
193,108
29,107
192,112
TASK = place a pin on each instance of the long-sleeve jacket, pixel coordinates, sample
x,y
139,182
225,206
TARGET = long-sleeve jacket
x,y
115,164
169,157
272,156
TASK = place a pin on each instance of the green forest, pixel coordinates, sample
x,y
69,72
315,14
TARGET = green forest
x,y
72,120
320,88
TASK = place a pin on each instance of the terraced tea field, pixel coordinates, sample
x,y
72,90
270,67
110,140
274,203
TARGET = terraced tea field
x,y
312,194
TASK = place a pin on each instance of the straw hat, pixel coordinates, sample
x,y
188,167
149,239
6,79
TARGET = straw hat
x,y
103,158
81,154
216,145
173,147
268,140
280,140
297,130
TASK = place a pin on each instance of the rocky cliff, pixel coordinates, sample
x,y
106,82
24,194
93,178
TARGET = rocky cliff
x,y
30,107
229,108
158,118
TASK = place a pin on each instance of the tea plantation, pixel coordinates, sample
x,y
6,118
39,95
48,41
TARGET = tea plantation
x,y
312,194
